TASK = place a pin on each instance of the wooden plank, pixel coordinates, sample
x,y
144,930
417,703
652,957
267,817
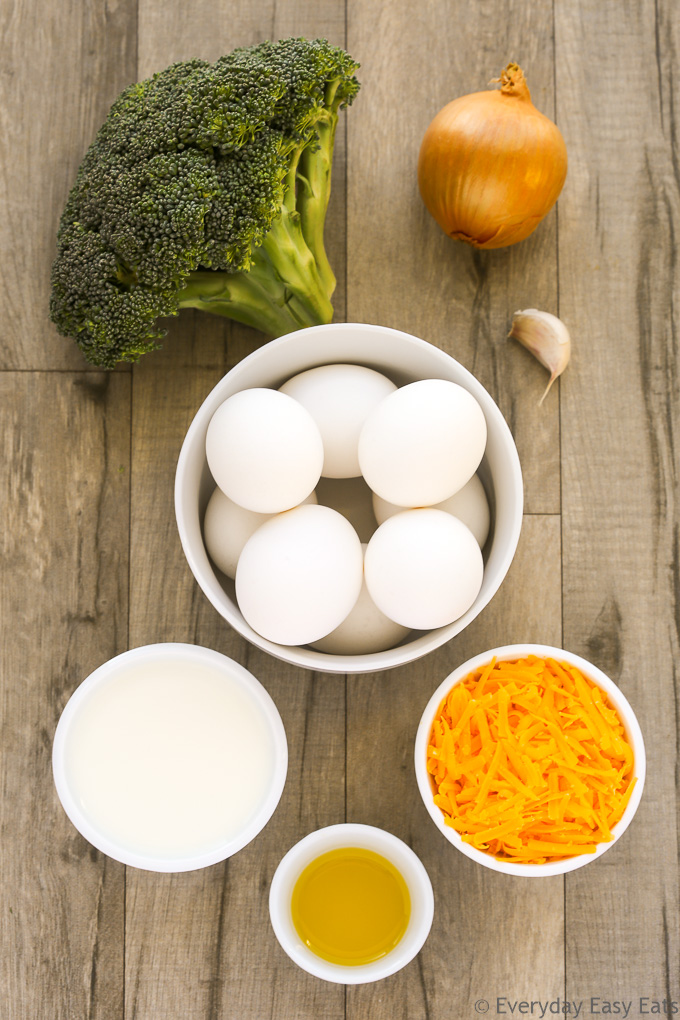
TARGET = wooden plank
x,y
620,415
215,954
63,602
198,944
403,271
484,942
461,300
63,65
161,42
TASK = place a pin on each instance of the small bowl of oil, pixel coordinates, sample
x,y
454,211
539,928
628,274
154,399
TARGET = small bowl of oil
x,y
351,904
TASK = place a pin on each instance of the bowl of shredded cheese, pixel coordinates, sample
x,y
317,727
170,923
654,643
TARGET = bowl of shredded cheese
x,y
530,760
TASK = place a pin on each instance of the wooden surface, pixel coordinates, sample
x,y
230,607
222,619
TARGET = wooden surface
x,y
91,561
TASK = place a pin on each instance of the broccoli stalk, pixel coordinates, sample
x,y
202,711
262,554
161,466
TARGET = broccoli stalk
x,y
290,281
207,187
315,177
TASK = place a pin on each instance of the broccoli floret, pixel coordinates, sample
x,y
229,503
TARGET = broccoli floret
x,y
206,187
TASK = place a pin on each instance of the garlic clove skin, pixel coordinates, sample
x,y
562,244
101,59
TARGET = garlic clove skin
x,y
546,337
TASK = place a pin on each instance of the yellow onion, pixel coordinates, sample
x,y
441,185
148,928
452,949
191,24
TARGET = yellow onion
x,y
491,165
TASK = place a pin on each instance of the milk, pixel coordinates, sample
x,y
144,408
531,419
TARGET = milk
x,y
169,758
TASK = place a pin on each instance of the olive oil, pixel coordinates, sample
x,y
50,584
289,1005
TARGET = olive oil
x,y
351,906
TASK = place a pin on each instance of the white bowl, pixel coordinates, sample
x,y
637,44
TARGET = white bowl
x,y
370,838
189,654
616,699
404,358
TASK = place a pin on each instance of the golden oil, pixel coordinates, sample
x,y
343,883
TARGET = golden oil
x,y
351,906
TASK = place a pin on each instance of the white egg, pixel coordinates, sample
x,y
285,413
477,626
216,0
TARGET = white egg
x,y
264,450
422,443
469,505
423,568
352,498
339,399
299,575
365,630
228,526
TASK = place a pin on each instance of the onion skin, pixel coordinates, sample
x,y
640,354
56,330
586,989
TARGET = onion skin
x,y
491,165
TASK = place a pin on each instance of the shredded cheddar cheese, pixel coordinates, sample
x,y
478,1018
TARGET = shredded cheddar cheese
x,y
530,762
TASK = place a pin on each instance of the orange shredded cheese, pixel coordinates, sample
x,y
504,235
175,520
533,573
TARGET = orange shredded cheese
x,y
530,762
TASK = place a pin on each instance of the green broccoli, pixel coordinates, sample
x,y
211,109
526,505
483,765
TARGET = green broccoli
x,y
206,187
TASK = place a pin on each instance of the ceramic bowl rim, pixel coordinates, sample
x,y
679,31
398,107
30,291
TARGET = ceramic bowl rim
x,y
200,655
617,699
351,834
306,657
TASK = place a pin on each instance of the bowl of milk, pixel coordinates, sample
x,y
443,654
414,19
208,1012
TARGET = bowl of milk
x,y
170,757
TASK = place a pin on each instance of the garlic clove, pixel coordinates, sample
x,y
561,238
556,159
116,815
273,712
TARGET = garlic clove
x,y
546,337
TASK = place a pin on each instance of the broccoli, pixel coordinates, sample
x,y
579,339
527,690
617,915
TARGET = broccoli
x,y
206,187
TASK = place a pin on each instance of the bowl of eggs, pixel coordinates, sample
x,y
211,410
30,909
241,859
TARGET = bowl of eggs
x,y
348,497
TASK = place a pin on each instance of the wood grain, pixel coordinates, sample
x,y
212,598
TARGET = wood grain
x,y
215,967
227,963
91,560
619,283
166,35
63,64
472,905
404,272
63,604
460,300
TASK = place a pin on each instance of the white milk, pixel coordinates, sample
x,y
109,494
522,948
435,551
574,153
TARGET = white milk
x,y
169,758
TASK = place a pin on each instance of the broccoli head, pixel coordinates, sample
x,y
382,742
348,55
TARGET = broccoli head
x,y
206,187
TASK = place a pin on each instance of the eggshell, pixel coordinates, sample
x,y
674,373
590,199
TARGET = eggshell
x,y
299,575
469,505
339,399
228,526
422,443
423,568
365,630
264,450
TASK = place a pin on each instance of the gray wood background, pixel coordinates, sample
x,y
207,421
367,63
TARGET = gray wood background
x,y
91,562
